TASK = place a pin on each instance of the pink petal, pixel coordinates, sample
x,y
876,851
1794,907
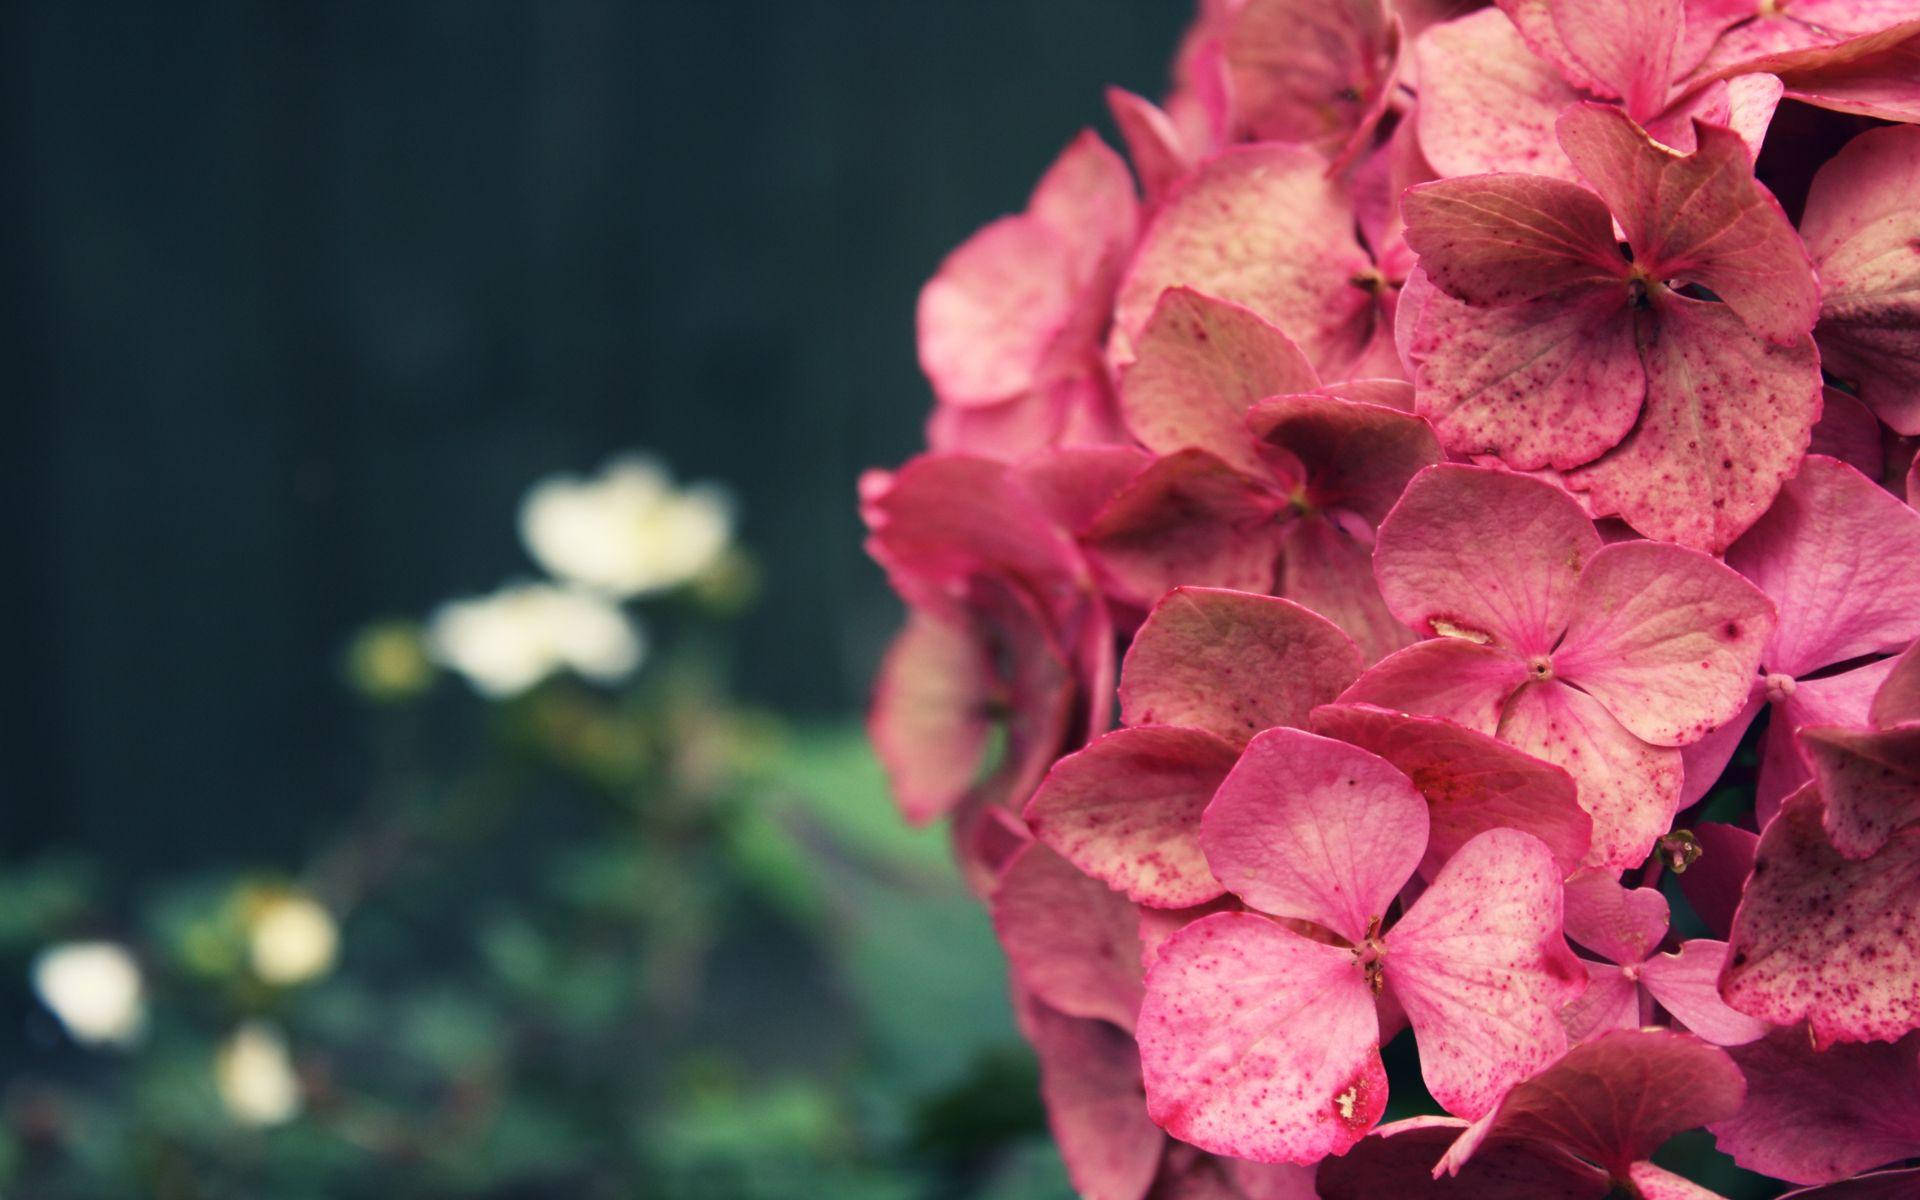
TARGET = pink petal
x,y
1070,940
1159,924
1848,431
1086,197
1486,102
1666,638
1871,781
1707,758
1446,677
1485,555
1880,1185
990,317
1311,828
1843,699
1727,418
1090,1082
1310,72
1841,558
1744,104
1071,484
1200,363
1861,228
1611,1001
1687,984
1616,1099
1657,1184
1259,1043
1555,381
1625,48
1877,75
1357,457
1471,782
1495,240
1232,663
943,518
1187,519
1482,970
1397,1159
1154,144
1126,810
1006,431
1624,925
1193,1175
1261,226
1812,32
1826,938
1712,885
1898,700
931,721
1816,1116
1326,567
1629,788
1701,217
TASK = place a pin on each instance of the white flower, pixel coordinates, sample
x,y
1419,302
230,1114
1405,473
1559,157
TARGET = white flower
x,y
291,939
509,641
95,989
254,1075
627,532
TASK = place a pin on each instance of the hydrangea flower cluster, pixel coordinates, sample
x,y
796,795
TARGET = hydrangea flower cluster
x,y
1359,532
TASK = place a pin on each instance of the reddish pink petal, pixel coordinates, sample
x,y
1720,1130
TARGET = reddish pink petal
x,y
1495,240
1626,49
989,319
1666,638
1006,431
1701,217
1193,1175
1713,883
1159,924
1803,33
1311,828
1879,1185
1073,483
1877,75
1396,1161
1814,1117
1310,72
1827,938
1096,1108
1616,1099
1232,663
1708,757
1126,810
1621,924
1629,788
1727,417
931,717
1357,457
1843,700
1154,144
1187,519
1069,939
1200,364
1484,555
1841,558
1611,1001
1486,102
1848,431
1264,227
1555,381
1472,782
1687,984
1327,568
1481,968
1445,677
1898,700
1256,1042
1861,228
1744,104
943,518
1657,1184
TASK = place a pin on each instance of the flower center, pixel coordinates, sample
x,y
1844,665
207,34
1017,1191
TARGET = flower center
x,y
1539,668
1779,687
1369,953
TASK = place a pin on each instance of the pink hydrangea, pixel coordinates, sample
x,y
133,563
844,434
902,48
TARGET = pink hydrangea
x,y
1443,443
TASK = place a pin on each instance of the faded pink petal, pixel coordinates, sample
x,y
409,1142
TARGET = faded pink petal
x,y
990,317
1311,72
1311,828
1666,638
1816,1116
1071,484
1848,431
1614,1100
1862,229
1070,940
1232,663
1187,519
1686,984
1629,788
1481,968
1727,418
1841,559
1555,381
1493,240
1159,924
1328,568
1744,104
931,717
1875,75
1801,25
1486,102
1621,924
1484,555
1159,153
1624,48
1200,364
1443,677
1354,456
1086,197
1261,226
1256,1042
1843,699
1701,217
1898,700
943,518
1611,1001
1126,810
1096,1108
1657,1184
1871,782
1713,883
1008,430
1825,938
1472,782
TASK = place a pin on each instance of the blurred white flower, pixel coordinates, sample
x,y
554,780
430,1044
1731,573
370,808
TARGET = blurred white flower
x,y
509,641
291,939
254,1074
626,532
95,989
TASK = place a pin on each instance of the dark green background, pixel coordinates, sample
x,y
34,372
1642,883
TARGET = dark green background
x,y
306,294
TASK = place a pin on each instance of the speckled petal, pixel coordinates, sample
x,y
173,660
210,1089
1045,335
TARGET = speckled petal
x,y
1621,924
1487,103
1070,940
1443,677
1187,519
1327,566
1816,1116
1686,983
1495,240
1355,456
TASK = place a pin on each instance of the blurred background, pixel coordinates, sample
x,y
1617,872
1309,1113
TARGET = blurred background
x,y
433,762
